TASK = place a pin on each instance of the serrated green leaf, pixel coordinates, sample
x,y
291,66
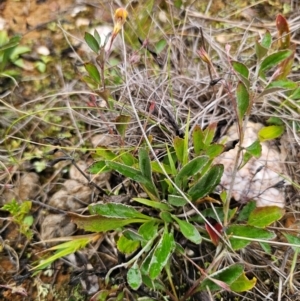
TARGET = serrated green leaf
x,y
264,216
266,247
227,275
223,196
179,148
198,138
127,246
156,168
162,253
243,284
245,212
188,230
279,85
246,157
93,72
153,204
40,66
92,42
283,84
98,167
13,42
254,149
128,159
150,188
274,59
132,235
209,134
17,51
207,183
89,80
266,40
149,283
176,200
134,277
214,150
105,154
240,68
271,91
260,50
270,132
243,100
144,164
148,230
293,240
146,262
190,169
179,249
19,63
168,186
128,172
274,121
171,161
166,216
97,37
116,210
249,232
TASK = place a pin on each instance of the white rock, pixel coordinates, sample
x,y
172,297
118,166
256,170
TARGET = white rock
x,y
75,174
82,22
56,225
43,50
256,179
2,23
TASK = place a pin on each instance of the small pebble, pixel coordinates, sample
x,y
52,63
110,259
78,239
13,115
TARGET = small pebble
x,y
43,50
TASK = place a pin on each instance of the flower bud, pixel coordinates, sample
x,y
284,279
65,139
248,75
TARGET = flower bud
x,y
119,20
204,56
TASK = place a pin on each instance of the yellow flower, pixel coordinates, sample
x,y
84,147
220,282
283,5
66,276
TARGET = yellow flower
x,y
119,20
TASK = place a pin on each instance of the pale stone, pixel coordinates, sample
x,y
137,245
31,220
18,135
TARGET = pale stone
x,y
256,179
